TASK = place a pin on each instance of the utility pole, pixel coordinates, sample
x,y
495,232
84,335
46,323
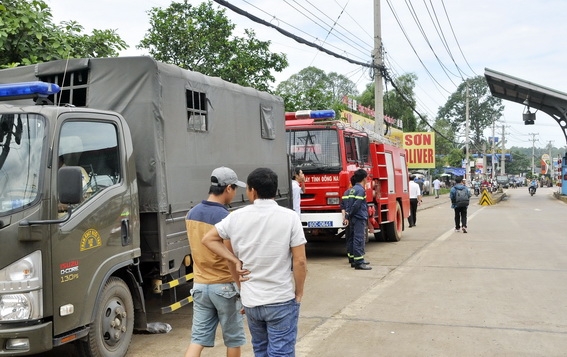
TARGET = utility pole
x,y
467,168
551,171
533,151
492,162
378,63
503,155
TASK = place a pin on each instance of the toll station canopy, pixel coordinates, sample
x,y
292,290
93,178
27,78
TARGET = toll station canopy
x,y
532,96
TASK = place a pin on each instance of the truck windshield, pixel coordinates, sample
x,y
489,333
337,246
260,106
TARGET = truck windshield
x,y
314,150
21,144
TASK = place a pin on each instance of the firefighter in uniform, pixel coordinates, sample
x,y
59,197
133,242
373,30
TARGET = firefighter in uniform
x,y
357,216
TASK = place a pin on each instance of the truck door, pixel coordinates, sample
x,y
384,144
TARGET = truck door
x,y
96,237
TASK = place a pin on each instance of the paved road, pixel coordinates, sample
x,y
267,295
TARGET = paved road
x,y
499,290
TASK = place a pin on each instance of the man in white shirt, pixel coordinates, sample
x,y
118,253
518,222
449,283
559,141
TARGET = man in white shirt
x,y
297,188
415,200
264,243
436,187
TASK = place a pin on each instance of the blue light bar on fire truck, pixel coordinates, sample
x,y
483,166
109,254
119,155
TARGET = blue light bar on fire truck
x,y
27,90
310,114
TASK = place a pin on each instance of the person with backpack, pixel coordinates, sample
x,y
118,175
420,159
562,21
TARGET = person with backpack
x,y
460,197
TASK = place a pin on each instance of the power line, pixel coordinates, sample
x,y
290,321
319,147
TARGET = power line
x,y
412,46
422,31
455,37
441,34
289,34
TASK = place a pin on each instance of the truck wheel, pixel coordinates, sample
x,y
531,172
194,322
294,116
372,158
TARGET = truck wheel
x,y
393,230
111,332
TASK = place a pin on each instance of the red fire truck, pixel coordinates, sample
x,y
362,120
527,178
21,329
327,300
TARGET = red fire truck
x,y
328,151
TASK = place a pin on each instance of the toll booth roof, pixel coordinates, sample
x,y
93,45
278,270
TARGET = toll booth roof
x,y
531,95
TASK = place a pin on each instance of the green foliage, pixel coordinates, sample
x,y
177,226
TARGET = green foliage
x,y
397,104
28,35
444,142
520,163
455,158
483,110
367,97
312,88
201,39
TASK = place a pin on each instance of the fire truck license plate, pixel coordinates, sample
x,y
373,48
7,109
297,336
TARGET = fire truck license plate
x,y
319,224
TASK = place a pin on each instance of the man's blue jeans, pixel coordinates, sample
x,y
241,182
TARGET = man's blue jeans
x,y
273,328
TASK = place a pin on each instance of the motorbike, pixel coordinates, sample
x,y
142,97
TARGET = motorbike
x,y
532,190
476,190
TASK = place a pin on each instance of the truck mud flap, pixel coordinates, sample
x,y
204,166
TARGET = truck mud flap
x,y
172,284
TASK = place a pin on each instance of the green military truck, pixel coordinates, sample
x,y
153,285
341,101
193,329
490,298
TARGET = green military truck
x,y
94,189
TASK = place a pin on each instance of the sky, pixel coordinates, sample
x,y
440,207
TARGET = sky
x,y
520,38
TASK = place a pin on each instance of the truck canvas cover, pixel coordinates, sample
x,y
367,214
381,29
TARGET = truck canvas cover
x,y
183,123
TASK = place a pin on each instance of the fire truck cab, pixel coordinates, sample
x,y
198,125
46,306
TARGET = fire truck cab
x,y
329,151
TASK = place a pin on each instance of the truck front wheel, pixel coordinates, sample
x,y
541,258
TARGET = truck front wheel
x,y
393,230
112,330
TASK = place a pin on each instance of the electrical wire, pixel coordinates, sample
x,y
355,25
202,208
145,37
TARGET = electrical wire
x,y
422,31
413,47
441,34
282,21
455,37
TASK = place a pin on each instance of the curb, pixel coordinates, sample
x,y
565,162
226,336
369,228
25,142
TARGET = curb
x,y
560,197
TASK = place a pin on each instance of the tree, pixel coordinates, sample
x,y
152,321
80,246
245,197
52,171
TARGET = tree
x,y
399,103
28,35
520,163
483,109
201,39
312,88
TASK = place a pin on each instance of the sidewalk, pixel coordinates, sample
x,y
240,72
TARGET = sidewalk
x,y
429,201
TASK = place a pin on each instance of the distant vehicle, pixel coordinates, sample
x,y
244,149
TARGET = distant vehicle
x,y
503,180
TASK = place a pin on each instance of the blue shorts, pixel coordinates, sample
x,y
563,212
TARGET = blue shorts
x,y
214,304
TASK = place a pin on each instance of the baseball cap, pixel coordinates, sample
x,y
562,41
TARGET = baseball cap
x,y
225,177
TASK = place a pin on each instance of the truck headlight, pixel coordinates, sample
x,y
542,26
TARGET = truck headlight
x,y
15,307
21,289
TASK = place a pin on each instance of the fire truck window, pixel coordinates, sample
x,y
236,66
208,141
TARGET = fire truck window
x,y
363,145
312,150
350,149
93,146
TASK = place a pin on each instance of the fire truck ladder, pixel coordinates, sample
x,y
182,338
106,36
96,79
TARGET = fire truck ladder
x,y
383,181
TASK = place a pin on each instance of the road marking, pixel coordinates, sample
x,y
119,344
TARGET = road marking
x,y
304,347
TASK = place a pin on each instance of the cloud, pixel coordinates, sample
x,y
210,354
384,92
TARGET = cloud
x,y
521,38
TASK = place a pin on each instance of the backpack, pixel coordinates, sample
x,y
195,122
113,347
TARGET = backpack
x,y
461,198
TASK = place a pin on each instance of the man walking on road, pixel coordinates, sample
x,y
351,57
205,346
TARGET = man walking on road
x,y
460,197
436,186
266,245
415,200
215,290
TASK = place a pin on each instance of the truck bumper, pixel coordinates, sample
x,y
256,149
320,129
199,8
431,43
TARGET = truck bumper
x,y
26,340
322,220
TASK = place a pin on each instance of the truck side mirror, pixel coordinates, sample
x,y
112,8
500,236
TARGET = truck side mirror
x,y
69,185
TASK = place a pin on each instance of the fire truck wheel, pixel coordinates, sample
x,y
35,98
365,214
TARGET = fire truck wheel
x,y
393,230
112,330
